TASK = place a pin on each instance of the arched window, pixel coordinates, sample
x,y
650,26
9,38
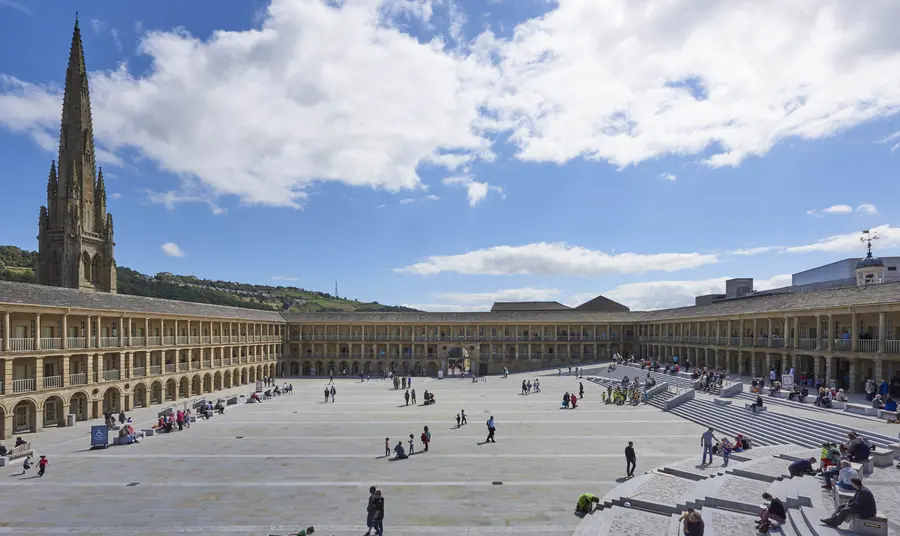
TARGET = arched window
x,y
86,266
96,273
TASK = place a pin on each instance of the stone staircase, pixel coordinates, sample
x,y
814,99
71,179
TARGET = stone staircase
x,y
657,400
681,380
727,497
808,405
769,428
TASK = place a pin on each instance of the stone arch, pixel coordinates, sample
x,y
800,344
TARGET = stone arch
x,y
406,368
54,411
24,416
156,392
295,368
331,370
235,378
244,376
78,405
86,266
207,383
96,271
380,369
259,372
320,368
171,389
196,384
343,368
272,369
112,399
226,380
251,374
432,368
367,368
355,368
184,387
217,381
140,395
305,369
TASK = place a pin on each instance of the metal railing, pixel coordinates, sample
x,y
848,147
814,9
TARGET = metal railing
x,y
867,345
76,342
892,347
78,379
23,386
53,382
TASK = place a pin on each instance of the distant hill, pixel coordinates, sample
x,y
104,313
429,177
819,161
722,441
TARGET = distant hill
x,y
17,265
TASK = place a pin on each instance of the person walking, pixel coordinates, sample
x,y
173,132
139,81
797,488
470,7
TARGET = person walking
x,y
458,421
491,429
412,445
580,390
333,391
414,397
378,515
370,510
706,441
426,438
462,412
406,396
331,378
327,392
630,459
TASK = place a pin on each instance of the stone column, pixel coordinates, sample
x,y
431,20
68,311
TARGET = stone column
x,y
879,371
5,348
39,379
122,370
8,384
796,332
768,364
819,335
37,334
64,336
728,337
89,373
829,370
146,333
98,334
830,331
121,331
854,386
854,328
754,372
784,334
129,364
769,340
881,332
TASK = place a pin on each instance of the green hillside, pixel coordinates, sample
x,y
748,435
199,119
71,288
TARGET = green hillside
x,y
16,265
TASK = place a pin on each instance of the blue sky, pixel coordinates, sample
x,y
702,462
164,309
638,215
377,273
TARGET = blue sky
x,y
444,153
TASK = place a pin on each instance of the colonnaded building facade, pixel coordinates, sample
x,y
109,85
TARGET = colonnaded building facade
x,y
71,345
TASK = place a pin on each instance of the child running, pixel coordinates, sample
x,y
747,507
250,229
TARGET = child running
x,y
42,465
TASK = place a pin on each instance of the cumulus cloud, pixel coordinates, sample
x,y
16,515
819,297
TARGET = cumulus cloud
x,y
668,176
115,195
834,209
172,250
554,259
888,237
449,307
476,190
172,198
666,294
867,208
511,294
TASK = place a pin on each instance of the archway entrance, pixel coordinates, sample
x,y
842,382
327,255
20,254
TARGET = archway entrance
x,y
171,387
295,368
432,369
183,386
78,405
207,383
140,395
156,393
112,400
24,417
53,412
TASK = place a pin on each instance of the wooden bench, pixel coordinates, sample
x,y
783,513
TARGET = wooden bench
x,y
861,409
749,405
882,457
872,526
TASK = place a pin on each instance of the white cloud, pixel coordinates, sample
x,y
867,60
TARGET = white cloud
x,y
475,190
512,294
630,80
668,176
319,91
283,278
449,307
838,209
554,259
407,201
867,208
18,6
172,250
755,251
666,294
115,195
431,197
380,206
888,237
893,139
172,198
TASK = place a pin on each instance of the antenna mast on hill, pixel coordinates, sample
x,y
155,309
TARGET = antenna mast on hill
x,y
335,288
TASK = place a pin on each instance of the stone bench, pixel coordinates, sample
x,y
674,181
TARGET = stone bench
x,y
873,526
885,414
232,400
858,467
749,405
148,432
722,401
868,466
861,409
841,496
20,452
882,457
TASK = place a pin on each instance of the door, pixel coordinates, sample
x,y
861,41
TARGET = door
x,y
482,369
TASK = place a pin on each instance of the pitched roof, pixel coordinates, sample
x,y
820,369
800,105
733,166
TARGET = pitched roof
x,y
602,304
66,298
528,306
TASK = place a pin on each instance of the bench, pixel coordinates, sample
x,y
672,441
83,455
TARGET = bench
x,y
861,409
749,405
837,404
722,401
148,432
858,467
868,466
16,452
873,526
841,496
232,401
882,458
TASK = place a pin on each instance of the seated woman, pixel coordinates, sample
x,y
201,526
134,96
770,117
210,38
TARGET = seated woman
x,y
401,453
804,392
877,403
220,408
841,396
827,399
891,404
794,392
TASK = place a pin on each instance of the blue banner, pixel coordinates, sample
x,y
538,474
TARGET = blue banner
x,y
99,435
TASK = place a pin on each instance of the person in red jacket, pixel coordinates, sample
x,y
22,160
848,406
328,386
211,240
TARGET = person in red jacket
x,y
42,465
574,400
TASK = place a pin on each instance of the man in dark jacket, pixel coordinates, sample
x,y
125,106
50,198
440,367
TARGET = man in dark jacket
x,y
370,510
802,467
630,459
861,505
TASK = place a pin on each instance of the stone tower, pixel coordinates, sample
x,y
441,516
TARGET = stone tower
x,y
75,240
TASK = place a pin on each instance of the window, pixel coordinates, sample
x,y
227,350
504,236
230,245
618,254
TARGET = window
x,y
892,268
115,329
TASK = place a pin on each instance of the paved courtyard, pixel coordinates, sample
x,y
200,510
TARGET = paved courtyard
x,y
296,461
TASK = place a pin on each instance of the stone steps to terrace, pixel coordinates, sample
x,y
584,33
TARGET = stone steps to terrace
x,y
808,405
728,498
680,380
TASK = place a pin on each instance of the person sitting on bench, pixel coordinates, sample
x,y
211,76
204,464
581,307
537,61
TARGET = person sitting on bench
x,y
587,503
757,404
845,476
857,450
220,408
861,505
794,392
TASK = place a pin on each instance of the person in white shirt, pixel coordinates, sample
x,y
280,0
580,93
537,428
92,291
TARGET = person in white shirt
x,y
844,477
772,376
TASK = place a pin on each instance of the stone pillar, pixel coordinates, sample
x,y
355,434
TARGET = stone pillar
x,y
97,335
854,386
829,370
819,335
728,337
878,372
854,328
39,377
129,364
65,371
741,332
64,336
882,336
89,373
830,332
784,334
121,365
121,331
146,333
796,332
768,364
769,340
37,334
8,384
6,337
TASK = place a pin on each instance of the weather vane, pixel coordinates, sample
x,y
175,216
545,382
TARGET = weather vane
x,y
867,238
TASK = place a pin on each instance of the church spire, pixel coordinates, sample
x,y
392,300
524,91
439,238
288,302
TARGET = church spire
x,y
76,137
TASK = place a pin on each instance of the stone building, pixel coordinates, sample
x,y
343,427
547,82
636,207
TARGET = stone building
x,y
70,345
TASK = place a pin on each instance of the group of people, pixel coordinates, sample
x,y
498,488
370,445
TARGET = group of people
x,y
527,386
713,446
400,452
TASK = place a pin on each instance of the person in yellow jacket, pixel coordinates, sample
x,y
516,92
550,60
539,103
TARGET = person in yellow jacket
x,y
587,503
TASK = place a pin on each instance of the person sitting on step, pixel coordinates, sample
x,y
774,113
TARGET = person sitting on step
x,y
861,505
771,514
758,404
841,396
692,523
802,467
794,392
890,404
877,402
857,450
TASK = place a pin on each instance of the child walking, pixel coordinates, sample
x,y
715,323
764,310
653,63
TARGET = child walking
x,y
42,465
26,465
412,445
387,447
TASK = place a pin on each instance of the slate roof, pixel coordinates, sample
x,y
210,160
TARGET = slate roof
x,y
602,304
524,318
28,294
528,306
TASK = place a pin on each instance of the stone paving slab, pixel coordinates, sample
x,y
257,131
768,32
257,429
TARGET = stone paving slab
x,y
728,523
769,468
302,462
631,522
